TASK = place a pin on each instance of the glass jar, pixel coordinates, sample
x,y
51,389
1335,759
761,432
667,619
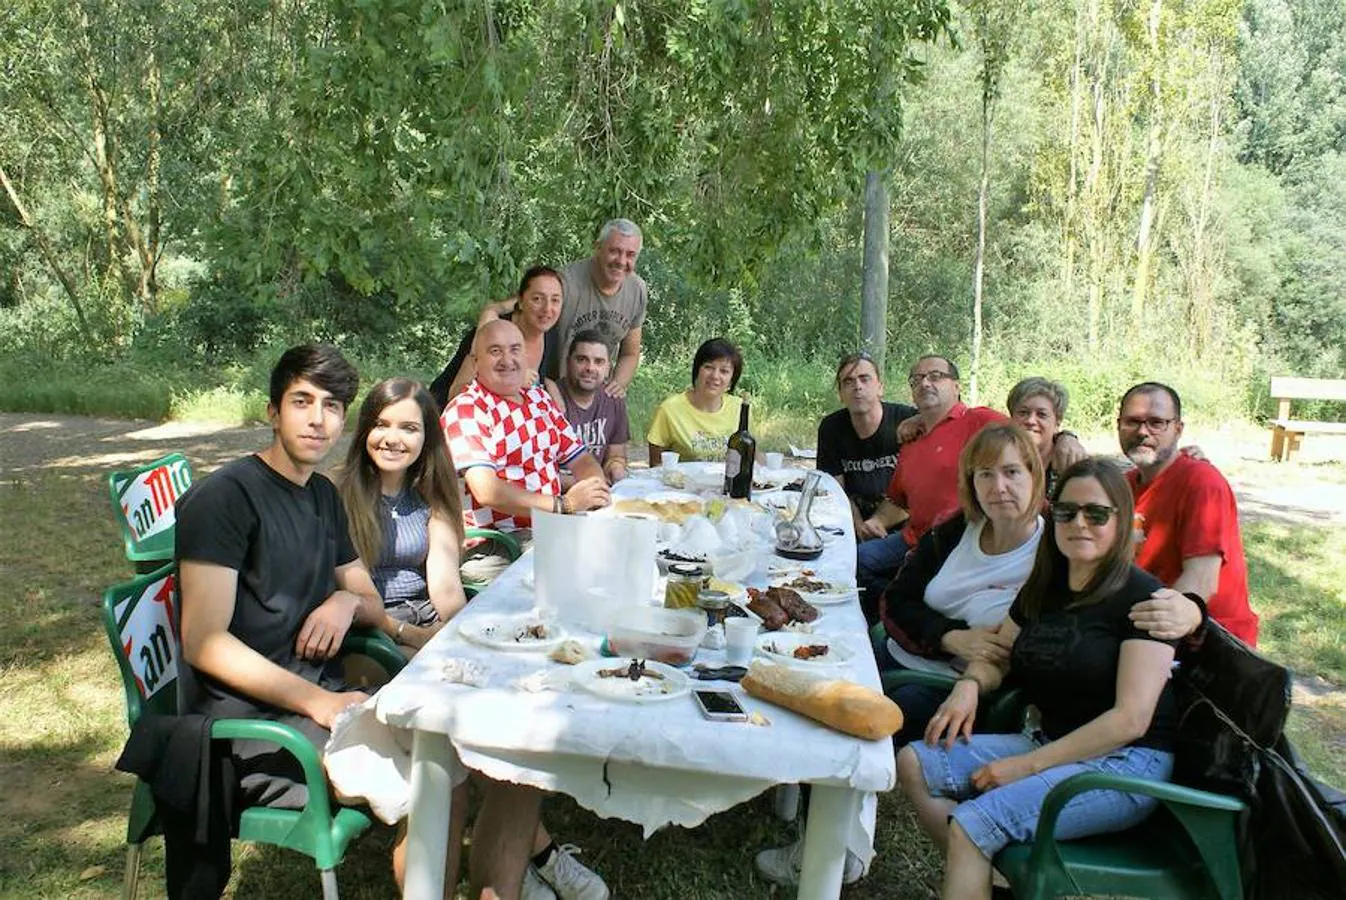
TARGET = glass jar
x,y
716,606
684,583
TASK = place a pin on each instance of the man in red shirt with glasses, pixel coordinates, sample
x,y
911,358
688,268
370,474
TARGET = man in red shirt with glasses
x,y
924,487
1186,518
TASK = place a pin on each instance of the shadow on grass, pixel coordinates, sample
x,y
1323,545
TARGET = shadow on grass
x,y
1296,581
72,445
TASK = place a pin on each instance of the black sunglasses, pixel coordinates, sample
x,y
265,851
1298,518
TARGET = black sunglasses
x,y
1094,513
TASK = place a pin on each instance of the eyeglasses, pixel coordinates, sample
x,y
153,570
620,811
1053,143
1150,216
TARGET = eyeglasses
x,y
932,377
1154,423
1094,513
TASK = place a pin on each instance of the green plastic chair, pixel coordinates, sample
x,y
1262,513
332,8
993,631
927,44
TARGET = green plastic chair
x,y
142,500
506,540
140,618
1186,851
1001,711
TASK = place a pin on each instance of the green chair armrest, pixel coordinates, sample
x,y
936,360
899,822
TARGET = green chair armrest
x,y
878,638
294,743
1045,856
377,646
511,544
895,678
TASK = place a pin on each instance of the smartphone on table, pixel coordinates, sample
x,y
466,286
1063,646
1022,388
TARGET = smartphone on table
x,y
720,706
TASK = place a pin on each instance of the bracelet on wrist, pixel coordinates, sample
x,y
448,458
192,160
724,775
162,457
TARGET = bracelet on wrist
x,y
401,626
971,679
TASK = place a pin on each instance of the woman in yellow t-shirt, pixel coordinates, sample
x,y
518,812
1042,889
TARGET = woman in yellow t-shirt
x,y
697,423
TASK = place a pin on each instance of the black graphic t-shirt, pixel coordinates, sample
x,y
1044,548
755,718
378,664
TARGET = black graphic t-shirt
x,y
1067,661
863,466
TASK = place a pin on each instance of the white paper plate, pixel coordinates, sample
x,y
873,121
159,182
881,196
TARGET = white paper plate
x,y
835,594
500,632
779,646
674,683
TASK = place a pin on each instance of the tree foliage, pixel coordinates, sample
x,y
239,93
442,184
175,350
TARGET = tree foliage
x,y
204,178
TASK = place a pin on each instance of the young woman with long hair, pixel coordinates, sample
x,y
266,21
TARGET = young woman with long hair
x,y
404,508
1101,684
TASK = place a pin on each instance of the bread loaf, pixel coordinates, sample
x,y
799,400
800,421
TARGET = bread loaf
x,y
849,708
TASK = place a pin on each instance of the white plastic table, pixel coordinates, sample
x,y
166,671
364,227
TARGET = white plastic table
x,y
652,764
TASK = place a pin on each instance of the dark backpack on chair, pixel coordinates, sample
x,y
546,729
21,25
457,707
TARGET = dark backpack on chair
x,y
1233,705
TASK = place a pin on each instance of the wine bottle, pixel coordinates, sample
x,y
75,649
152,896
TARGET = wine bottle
x,y
738,459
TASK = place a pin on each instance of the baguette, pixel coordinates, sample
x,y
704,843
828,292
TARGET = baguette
x,y
849,708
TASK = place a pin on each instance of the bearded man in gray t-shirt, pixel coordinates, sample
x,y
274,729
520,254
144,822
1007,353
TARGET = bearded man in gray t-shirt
x,y
603,293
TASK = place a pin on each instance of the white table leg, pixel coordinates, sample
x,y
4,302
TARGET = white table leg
x,y
831,810
428,820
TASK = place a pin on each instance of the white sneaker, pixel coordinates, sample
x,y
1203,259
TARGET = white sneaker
x,y
781,865
533,887
570,878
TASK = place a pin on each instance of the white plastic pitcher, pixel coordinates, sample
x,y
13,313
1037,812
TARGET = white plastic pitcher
x,y
587,566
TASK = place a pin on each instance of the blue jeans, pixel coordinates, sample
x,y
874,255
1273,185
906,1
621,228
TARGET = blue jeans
x,y
1009,814
876,563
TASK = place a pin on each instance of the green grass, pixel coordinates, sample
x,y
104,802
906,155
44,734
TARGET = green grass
x,y
62,815
1297,581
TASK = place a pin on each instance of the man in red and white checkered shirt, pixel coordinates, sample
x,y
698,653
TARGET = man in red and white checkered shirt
x,y
508,440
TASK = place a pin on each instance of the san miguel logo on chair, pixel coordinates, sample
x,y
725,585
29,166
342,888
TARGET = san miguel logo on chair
x,y
147,636
147,500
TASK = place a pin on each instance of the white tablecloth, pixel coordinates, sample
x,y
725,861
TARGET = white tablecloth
x,y
653,764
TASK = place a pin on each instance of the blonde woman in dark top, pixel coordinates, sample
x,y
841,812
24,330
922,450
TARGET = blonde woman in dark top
x,y
1100,683
404,506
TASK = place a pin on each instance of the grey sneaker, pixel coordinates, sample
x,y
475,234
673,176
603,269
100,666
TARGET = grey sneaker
x,y
534,888
570,878
781,865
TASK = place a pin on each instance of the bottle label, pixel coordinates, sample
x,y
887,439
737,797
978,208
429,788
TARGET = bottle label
x,y
732,464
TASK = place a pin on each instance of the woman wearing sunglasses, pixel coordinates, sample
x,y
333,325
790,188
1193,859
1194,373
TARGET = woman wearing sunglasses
x,y
1100,683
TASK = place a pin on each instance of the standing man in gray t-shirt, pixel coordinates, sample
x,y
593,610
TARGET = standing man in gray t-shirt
x,y
603,293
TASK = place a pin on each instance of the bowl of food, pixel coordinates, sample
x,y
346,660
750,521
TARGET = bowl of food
x,y
668,636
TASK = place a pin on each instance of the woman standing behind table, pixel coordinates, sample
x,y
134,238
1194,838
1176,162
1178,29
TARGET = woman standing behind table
x,y
697,422
946,606
536,310
404,507
1101,684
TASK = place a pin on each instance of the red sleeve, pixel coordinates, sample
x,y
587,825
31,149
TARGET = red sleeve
x,y
1209,503
985,416
896,491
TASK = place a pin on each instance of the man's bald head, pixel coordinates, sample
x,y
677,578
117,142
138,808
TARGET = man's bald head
x,y
497,351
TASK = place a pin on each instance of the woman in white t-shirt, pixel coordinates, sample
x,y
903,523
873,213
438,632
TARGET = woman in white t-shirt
x,y
945,607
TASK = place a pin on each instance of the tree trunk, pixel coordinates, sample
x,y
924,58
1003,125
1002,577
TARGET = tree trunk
x,y
48,256
1070,238
874,293
979,261
1145,236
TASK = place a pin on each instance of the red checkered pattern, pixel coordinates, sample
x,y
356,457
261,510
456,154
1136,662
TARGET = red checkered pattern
x,y
525,443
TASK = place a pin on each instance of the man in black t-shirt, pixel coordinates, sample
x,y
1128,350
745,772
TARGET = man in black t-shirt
x,y
858,443
271,583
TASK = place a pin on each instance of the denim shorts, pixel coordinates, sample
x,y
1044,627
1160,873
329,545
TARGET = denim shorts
x,y
1009,814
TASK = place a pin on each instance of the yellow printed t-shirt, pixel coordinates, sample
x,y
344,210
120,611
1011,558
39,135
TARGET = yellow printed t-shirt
x,y
680,426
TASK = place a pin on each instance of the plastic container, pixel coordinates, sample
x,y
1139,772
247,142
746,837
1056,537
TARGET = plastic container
x,y
666,635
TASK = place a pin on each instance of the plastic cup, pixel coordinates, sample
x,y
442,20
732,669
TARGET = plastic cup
x,y
775,460
668,459
740,636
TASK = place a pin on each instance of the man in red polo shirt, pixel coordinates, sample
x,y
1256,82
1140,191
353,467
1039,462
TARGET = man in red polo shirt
x,y
924,489
1186,517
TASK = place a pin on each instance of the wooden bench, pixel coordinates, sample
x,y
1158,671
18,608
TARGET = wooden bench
x,y
1286,433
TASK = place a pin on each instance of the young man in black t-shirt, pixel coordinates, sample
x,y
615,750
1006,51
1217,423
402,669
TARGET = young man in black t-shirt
x,y
858,443
271,583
